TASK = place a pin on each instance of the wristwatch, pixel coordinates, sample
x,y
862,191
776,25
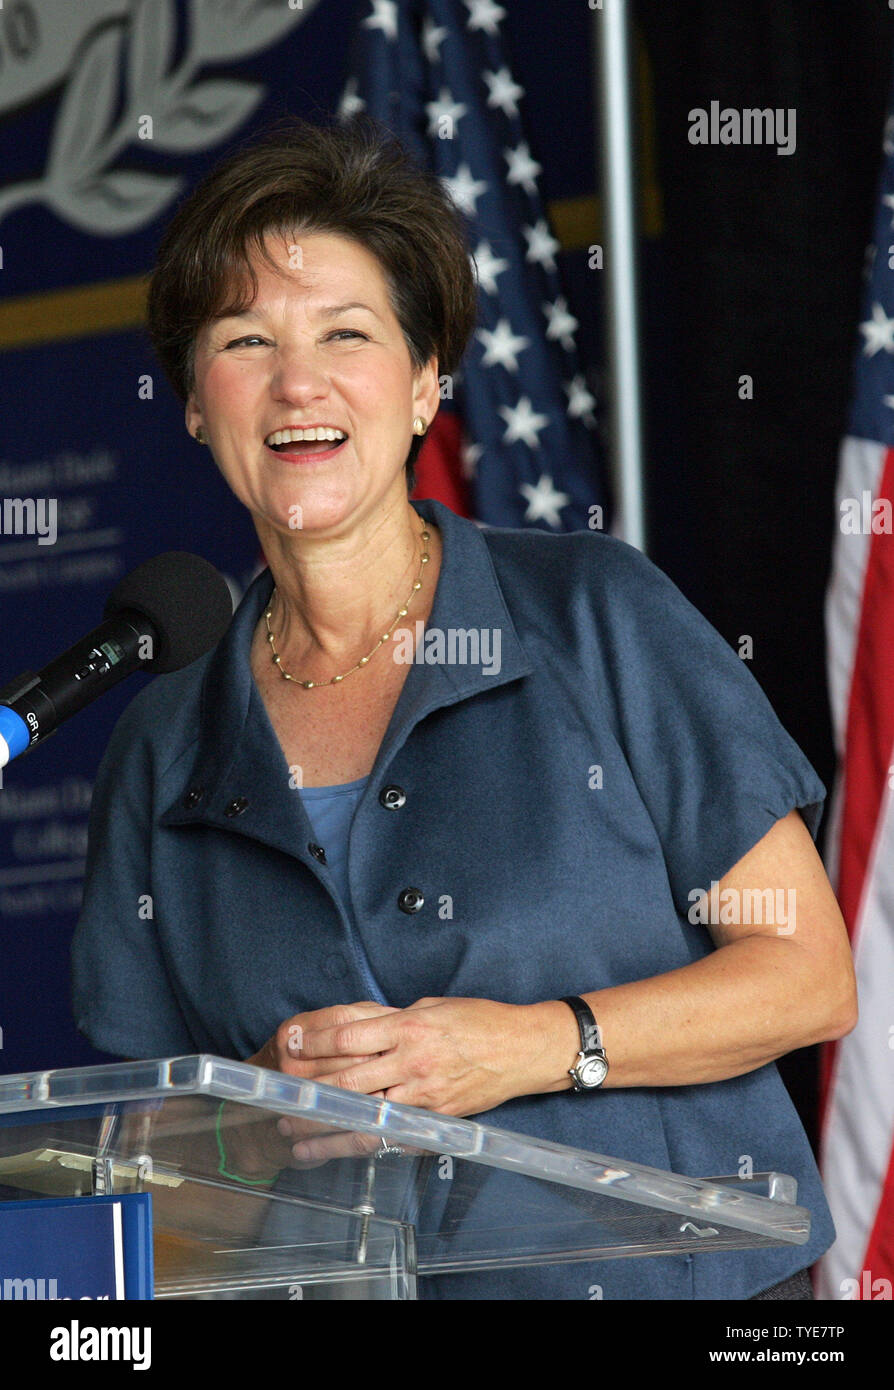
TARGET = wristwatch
x,y
591,1067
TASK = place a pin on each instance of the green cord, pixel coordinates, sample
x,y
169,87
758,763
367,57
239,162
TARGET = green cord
x,y
222,1166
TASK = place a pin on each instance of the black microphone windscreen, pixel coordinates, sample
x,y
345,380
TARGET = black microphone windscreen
x,y
186,600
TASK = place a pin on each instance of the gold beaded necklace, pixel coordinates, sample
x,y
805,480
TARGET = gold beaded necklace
x,y
334,680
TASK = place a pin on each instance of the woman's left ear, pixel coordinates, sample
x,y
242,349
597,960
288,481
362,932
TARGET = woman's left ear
x,y
427,397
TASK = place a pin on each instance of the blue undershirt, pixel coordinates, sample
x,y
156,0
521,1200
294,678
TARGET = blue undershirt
x,y
330,811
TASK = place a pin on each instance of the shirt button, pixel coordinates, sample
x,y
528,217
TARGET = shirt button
x,y
193,796
236,806
318,852
410,900
392,797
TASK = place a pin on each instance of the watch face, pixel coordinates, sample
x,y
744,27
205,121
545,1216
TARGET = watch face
x,y
592,1072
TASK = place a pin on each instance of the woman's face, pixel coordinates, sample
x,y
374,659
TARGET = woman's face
x,y
320,345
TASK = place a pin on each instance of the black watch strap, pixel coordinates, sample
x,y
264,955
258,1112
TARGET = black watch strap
x,y
590,1037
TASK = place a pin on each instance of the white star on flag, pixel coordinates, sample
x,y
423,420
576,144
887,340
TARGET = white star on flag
x,y
523,168
504,91
544,501
542,245
444,108
502,346
522,422
888,401
888,201
465,190
350,102
488,267
562,323
432,38
484,14
581,401
878,332
384,17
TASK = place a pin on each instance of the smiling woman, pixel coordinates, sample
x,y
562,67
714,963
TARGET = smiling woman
x,y
461,881
298,362
306,299
299,181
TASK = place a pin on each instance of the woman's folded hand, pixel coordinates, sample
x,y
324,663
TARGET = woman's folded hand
x,y
455,1056
285,1050
274,1147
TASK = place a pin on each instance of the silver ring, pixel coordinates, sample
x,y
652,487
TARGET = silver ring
x,y
386,1149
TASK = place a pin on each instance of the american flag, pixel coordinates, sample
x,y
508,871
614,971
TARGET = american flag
x,y
518,444
857,1105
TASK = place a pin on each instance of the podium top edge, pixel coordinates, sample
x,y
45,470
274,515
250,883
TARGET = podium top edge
x,y
159,1080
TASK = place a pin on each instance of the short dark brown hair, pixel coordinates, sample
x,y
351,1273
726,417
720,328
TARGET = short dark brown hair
x,y
353,178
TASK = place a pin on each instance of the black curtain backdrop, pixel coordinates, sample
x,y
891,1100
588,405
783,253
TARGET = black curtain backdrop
x,y
764,257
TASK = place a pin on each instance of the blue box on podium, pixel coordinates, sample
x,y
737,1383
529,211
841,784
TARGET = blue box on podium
x,y
80,1248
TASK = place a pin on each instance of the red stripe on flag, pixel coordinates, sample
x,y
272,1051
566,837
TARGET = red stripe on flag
x,y
879,1260
439,468
869,738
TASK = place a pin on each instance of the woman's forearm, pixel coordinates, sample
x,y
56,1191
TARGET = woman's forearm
x,y
732,1011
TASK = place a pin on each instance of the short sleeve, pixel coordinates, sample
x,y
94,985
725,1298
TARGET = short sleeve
x,y
121,993
711,760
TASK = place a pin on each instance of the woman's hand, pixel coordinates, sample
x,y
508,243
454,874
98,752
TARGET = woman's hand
x,y
284,1051
269,1149
455,1056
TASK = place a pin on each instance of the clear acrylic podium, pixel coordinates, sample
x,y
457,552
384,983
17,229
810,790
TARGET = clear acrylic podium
x,y
405,1195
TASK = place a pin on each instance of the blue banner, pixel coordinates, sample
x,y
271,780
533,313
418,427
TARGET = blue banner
x,y
111,110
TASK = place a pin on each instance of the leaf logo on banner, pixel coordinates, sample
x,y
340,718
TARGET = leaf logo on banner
x,y
117,91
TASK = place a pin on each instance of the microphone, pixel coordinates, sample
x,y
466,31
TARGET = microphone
x,y
166,613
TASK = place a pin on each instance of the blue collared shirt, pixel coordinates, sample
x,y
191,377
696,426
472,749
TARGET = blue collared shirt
x,y
537,823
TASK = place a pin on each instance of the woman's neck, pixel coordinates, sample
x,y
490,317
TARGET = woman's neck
x,y
335,597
